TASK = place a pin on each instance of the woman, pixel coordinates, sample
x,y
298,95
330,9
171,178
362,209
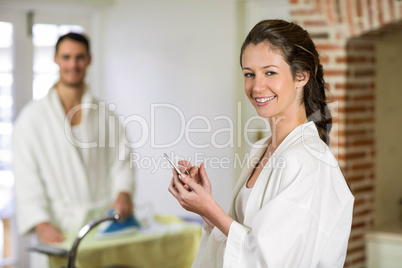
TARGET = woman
x,y
299,213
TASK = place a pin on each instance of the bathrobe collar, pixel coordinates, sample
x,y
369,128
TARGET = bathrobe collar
x,y
257,151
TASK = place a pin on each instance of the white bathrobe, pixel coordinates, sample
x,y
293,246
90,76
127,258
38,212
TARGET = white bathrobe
x,y
299,212
58,182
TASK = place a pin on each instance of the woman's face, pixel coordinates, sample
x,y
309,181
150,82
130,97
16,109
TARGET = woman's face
x,y
269,84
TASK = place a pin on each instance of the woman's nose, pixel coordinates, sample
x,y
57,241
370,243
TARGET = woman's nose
x,y
259,84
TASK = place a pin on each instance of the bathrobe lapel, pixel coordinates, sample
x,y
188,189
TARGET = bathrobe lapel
x,y
263,191
62,130
246,173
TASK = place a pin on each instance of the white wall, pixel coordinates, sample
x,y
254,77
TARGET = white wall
x,y
180,53
185,54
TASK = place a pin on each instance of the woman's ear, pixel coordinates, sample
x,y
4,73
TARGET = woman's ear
x,y
302,78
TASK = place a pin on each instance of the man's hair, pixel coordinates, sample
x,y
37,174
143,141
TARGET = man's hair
x,y
75,37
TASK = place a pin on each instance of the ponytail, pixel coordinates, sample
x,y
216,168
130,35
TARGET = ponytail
x,y
315,102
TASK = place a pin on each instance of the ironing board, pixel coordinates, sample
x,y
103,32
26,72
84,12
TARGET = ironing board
x,y
170,242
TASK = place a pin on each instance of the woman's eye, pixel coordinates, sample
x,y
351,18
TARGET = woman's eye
x,y
248,75
270,73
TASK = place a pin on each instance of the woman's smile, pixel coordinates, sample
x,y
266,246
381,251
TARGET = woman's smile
x,y
261,101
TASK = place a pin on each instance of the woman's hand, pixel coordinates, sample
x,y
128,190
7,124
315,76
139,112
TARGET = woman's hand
x,y
195,175
194,197
197,198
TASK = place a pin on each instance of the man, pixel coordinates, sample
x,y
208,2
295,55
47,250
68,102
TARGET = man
x,y
66,153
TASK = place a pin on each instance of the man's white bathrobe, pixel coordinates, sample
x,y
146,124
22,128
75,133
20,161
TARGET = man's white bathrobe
x,y
299,212
58,182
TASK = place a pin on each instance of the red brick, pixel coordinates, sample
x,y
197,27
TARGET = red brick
x,y
330,11
354,86
358,203
356,178
324,59
356,237
363,142
338,11
356,249
332,72
380,12
362,120
337,98
365,73
360,47
318,5
392,9
370,14
341,35
353,109
303,12
359,262
365,212
349,133
314,23
355,155
354,59
337,120
359,8
349,14
329,47
370,98
364,167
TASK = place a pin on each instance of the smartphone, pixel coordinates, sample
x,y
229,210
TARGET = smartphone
x,y
174,166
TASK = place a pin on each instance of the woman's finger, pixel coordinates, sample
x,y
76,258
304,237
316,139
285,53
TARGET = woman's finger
x,y
204,177
185,163
191,183
193,171
172,189
182,169
178,183
176,176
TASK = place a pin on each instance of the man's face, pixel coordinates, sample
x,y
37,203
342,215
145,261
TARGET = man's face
x,y
73,60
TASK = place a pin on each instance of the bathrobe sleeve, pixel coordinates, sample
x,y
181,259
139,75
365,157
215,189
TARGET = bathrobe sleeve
x,y
306,223
32,205
122,174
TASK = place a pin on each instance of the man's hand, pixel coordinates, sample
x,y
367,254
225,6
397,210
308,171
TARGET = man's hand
x,y
123,205
48,234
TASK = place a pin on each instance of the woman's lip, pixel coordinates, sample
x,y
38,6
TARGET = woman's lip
x,y
264,101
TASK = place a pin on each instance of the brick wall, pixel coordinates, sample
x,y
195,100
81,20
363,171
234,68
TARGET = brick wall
x,y
345,32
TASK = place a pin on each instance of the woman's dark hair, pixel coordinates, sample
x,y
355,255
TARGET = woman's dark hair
x,y
75,37
298,50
